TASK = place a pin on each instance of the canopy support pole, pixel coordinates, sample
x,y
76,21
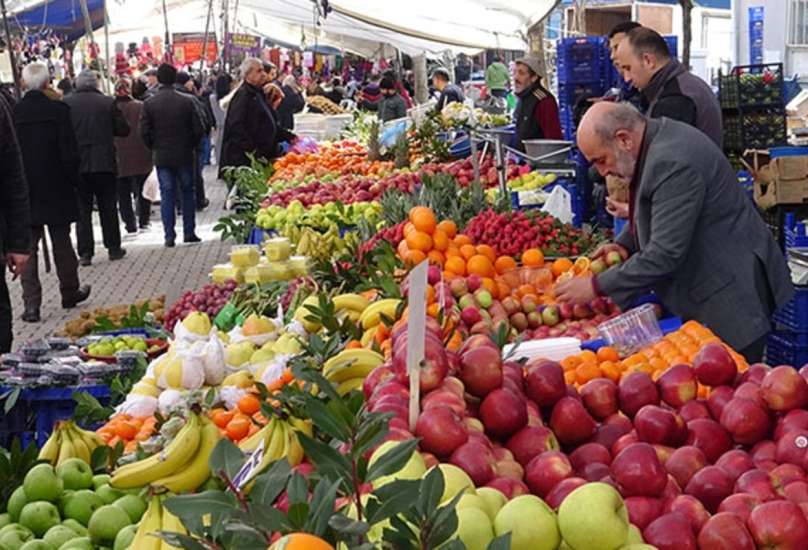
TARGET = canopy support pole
x,y
10,46
225,29
88,27
205,40
167,46
106,40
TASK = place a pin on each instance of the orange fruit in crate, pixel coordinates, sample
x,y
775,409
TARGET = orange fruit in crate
x,y
436,257
238,427
419,241
440,241
423,219
488,252
414,257
480,265
533,257
456,265
468,251
449,227
504,263
525,289
461,239
560,266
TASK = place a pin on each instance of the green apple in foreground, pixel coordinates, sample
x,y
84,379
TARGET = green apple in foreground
x,y
81,505
36,545
81,543
471,501
75,526
99,480
594,517
474,528
105,524
58,535
125,537
14,540
14,527
40,516
42,483
455,480
5,519
75,474
494,500
108,493
415,468
531,523
15,503
132,505
634,535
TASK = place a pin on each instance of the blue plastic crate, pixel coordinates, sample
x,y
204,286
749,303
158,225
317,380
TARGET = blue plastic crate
x,y
673,45
756,35
794,315
13,424
755,25
574,72
258,235
579,50
756,13
568,94
782,350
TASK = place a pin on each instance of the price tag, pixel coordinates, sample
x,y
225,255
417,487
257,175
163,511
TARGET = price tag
x,y
226,318
416,330
250,468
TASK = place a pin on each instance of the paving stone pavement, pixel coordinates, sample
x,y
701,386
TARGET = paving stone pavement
x,y
148,269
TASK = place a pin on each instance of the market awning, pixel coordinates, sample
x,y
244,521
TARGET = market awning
x,y
65,17
710,4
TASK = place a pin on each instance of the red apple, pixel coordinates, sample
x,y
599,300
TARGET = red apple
x,y
783,389
740,504
589,453
718,399
509,487
759,483
746,421
792,447
779,524
571,422
638,472
623,422
544,384
607,436
792,420
684,462
636,391
434,367
481,370
764,451
642,511
786,474
672,490
747,390
476,460
624,441
657,425
453,384
735,462
714,366
797,492
693,410
545,471
709,436
670,532
530,442
563,488
474,426
442,431
594,471
600,398
710,485
503,413
754,374
502,453
691,508
375,378
444,397
725,531
677,385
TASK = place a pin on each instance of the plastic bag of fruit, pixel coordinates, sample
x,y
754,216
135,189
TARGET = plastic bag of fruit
x,y
559,205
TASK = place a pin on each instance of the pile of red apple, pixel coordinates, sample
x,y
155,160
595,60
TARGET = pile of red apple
x,y
348,189
463,171
726,472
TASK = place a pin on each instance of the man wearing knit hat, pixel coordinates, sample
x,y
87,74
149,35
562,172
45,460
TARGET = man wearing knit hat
x,y
537,110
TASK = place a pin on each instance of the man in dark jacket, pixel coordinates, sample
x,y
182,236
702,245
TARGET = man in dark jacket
x,y
15,231
391,105
170,125
449,93
51,158
250,126
291,103
134,162
97,121
537,112
185,85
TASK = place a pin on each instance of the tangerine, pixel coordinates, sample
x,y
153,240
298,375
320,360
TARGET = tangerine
x,y
561,265
488,252
300,541
480,265
222,417
456,265
423,219
238,428
440,241
505,263
419,241
461,239
533,257
126,430
436,258
249,404
608,353
468,251
414,257
449,227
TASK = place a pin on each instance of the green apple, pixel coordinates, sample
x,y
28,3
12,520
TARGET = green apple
x,y
471,501
531,523
11,527
5,519
639,546
99,480
634,535
15,503
75,474
81,505
108,493
42,483
594,517
81,543
58,535
105,524
494,500
75,526
37,545
474,528
132,505
60,504
39,516
125,537
415,468
455,480
14,540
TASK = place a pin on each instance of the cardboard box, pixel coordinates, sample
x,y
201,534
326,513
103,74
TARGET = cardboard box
x,y
784,180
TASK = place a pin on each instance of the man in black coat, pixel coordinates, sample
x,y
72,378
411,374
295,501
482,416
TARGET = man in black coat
x,y
250,127
51,158
15,233
97,121
185,85
171,126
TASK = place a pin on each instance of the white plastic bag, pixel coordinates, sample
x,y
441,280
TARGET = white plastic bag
x,y
151,187
559,205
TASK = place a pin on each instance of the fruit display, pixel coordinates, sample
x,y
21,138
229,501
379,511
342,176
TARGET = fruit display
x,y
69,441
108,347
275,217
86,322
210,300
531,181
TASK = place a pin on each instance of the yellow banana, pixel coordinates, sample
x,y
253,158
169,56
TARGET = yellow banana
x,y
353,302
197,470
80,447
177,453
274,448
66,448
91,438
371,317
301,425
151,522
172,524
352,315
294,450
351,363
50,450
302,312
250,444
345,387
368,336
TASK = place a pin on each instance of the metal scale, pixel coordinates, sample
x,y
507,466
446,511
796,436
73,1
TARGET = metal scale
x,y
798,264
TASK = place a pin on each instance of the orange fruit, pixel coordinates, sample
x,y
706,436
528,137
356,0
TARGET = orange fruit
x,y
423,219
430,294
449,227
461,239
453,252
581,265
414,257
533,257
480,265
586,371
249,404
238,428
436,258
126,430
607,353
408,228
491,287
561,265
300,541
588,355
419,241
525,290
570,363
504,263
570,376
440,241
610,370
468,251
222,417
488,252
456,265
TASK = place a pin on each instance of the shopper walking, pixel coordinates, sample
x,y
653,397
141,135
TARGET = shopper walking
x,y
15,231
171,127
224,85
134,163
97,121
51,159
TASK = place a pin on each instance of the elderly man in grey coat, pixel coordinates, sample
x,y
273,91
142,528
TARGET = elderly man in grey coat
x,y
693,236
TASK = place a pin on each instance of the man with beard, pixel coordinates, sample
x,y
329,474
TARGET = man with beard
x,y
685,206
537,112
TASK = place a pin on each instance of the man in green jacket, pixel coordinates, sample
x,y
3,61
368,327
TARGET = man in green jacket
x,y
497,78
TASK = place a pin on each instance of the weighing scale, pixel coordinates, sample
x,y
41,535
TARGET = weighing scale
x,y
798,264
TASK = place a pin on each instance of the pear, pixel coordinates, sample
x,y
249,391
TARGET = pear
x,y
257,324
239,353
262,356
197,323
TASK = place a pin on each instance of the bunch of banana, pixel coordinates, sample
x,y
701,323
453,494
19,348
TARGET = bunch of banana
x,y
349,368
157,518
280,441
372,316
70,441
197,470
174,457
351,305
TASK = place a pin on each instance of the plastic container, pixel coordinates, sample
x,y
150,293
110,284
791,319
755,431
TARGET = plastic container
x,y
301,265
258,274
782,349
794,315
244,255
281,271
334,124
278,249
632,331
225,272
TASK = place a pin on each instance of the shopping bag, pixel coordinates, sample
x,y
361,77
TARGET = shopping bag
x,y
151,187
559,205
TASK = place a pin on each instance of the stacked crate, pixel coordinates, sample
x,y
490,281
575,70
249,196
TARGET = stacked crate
x,y
580,63
756,35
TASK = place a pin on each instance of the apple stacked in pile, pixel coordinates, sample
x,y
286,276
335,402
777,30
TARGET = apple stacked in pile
x,y
67,508
728,471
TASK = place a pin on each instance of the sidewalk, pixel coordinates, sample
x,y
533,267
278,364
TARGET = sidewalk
x,y
148,270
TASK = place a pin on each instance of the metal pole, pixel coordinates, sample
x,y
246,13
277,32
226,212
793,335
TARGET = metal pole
x,y
88,26
234,28
14,72
205,40
106,39
167,46
225,24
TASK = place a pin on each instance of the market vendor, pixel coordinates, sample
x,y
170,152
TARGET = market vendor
x,y
449,93
390,105
693,237
537,111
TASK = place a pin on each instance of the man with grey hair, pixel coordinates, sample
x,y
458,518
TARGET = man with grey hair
x,y
97,121
51,158
250,127
685,205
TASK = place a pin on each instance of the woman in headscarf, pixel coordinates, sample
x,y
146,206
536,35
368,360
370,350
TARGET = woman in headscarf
x,y
291,103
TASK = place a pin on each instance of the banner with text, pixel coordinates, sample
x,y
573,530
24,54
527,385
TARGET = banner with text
x,y
247,43
187,47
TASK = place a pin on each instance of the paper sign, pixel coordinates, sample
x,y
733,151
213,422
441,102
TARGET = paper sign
x,y
416,330
250,468
244,43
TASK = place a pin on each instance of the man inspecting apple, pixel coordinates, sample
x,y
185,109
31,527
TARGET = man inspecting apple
x,y
693,237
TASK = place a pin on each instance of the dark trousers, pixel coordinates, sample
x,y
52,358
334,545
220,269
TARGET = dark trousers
x,y
6,334
67,266
199,181
499,93
127,187
103,188
171,178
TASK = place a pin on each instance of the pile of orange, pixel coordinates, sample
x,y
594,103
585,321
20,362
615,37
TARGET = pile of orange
x,y
127,428
537,277
235,424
